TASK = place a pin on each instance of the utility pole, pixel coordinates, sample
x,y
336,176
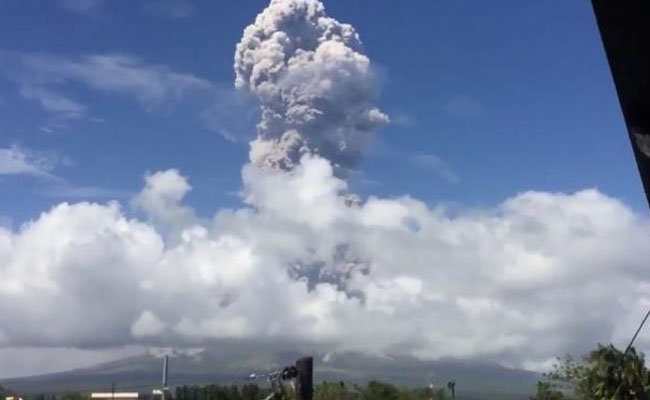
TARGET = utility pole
x,y
113,390
305,389
451,385
165,376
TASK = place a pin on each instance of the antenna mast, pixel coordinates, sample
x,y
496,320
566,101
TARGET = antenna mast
x,y
164,377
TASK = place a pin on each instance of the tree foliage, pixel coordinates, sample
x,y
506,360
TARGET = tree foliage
x,y
546,391
72,396
218,392
603,374
374,390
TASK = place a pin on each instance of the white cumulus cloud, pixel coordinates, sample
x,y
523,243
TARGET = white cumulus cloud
x,y
539,275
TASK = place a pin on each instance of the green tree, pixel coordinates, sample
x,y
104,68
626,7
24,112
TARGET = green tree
x,y
436,394
608,377
334,391
602,375
250,391
180,393
233,393
546,391
380,391
375,390
72,396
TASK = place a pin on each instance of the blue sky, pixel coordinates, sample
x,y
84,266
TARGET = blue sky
x,y
486,100
105,100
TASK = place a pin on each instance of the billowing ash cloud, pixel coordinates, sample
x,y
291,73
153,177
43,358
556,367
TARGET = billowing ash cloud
x,y
315,86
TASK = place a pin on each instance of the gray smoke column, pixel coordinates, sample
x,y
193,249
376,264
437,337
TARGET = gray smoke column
x,y
315,86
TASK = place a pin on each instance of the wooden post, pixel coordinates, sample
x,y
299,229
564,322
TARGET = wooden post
x,y
305,387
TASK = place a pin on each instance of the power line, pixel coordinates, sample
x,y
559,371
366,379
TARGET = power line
x,y
629,346
627,349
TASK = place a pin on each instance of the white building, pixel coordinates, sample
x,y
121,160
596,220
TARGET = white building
x,y
115,395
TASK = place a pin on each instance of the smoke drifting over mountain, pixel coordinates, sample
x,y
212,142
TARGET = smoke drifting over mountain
x,y
538,275
315,86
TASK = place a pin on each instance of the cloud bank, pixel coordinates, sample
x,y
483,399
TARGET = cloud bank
x,y
539,275
305,261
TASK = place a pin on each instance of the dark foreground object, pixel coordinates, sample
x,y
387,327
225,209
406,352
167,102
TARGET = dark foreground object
x,y
305,388
625,31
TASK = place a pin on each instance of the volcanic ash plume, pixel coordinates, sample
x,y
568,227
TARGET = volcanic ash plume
x,y
314,85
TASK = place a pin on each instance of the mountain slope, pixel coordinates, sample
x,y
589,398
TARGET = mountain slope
x,y
143,372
